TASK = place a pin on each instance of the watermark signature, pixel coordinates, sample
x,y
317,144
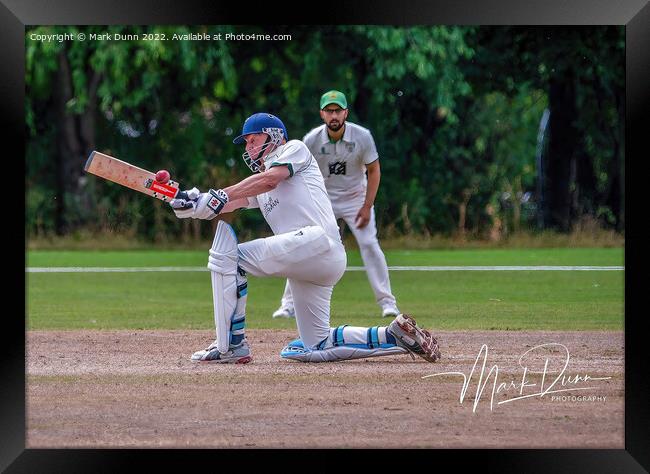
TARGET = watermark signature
x,y
529,362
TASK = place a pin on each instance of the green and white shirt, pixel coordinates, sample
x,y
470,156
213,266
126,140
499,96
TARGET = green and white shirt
x,y
343,164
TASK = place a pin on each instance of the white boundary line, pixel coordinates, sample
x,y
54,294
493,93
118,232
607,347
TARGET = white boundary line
x,y
349,269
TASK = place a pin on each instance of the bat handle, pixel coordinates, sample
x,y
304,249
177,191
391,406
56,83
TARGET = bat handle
x,y
189,203
182,195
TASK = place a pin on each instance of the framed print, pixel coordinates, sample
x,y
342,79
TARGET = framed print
x,y
408,227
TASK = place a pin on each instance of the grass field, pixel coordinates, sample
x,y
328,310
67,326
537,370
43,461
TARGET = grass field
x,y
510,300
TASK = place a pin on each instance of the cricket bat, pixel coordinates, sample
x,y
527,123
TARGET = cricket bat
x,y
126,174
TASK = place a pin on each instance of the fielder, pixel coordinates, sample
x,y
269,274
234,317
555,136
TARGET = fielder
x,y
306,249
344,152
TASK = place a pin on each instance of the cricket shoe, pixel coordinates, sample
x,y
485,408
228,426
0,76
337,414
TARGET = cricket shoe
x,y
240,354
284,313
413,338
389,311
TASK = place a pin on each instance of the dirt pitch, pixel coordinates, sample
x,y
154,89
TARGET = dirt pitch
x,y
138,389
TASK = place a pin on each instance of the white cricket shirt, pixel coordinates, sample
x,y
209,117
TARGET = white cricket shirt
x,y
343,164
299,200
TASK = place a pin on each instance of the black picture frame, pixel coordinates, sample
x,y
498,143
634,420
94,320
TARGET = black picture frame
x,y
634,14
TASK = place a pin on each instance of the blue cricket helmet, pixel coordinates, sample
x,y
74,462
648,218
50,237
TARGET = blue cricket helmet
x,y
262,122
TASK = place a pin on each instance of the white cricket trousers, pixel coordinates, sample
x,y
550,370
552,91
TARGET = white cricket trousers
x,y
312,262
373,257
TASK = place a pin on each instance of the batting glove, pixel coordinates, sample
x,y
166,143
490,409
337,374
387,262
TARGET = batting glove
x,y
210,204
184,207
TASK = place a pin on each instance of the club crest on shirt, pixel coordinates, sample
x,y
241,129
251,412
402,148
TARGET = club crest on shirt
x,y
350,147
338,167
269,205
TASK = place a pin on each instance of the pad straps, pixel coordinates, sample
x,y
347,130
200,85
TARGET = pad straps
x,y
373,337
337,336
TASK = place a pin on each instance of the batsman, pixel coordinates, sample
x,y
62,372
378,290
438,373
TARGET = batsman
x,y
288,188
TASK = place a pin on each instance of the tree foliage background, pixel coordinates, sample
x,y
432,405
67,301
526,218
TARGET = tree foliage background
x,y
455,113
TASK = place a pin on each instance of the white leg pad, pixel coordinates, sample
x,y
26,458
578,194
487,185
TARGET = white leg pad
x,y
346,343
332,354
239,316
223,270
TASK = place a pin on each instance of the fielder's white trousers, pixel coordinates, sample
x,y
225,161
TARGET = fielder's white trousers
x,y
373,257
312,262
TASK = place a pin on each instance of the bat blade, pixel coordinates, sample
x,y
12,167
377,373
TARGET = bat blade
x,y
130,176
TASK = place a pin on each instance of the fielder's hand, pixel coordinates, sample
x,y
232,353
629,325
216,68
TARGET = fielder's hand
x,y
363,217
184,208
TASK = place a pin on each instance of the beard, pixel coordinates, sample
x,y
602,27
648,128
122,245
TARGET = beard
x,y
335,125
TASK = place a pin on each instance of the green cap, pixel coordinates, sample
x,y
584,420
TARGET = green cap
x,y
333,97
